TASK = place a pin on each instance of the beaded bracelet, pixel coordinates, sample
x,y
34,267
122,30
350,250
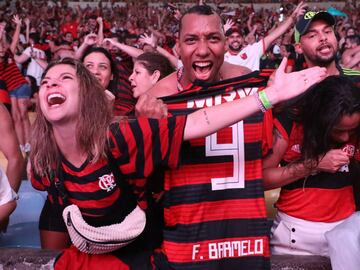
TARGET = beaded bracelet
x,y
258,101
265,100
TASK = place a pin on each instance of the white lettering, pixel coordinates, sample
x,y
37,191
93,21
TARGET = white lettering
x,y
243,247
230,96
218,99
213,253
227,251
195,250
230,249
236,245
259,246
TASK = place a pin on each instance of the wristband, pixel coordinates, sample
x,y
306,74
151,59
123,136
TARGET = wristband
x,y
265,100
259,103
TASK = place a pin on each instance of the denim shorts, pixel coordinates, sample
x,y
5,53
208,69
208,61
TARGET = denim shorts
x,y
23,91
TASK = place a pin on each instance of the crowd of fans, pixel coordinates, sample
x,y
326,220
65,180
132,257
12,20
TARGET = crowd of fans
x,y
129,48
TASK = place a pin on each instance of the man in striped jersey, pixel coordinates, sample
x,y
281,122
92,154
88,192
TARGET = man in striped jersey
x,y
214,206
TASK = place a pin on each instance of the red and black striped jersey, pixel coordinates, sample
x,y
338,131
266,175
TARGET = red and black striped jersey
x,y
11,74
215,215
323,197
124,101
138,146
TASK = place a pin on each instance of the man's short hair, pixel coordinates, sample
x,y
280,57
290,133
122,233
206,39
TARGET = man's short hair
x,y
304,22
234,29
200,10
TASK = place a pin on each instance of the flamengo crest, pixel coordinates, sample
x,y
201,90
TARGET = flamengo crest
x,y
107,182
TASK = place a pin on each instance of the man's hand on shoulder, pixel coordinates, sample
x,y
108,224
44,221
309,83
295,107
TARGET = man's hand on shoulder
x,y
151,107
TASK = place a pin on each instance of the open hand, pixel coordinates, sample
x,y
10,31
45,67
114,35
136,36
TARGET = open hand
x,y
284,86
229,23
16,19
148,39
299,10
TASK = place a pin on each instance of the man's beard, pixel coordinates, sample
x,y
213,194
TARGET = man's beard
x,y
323,62
238,49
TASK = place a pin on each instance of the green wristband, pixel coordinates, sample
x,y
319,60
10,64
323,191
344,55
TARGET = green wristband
x,y
265,100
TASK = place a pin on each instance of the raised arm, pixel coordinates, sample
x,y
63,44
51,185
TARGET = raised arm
x,y
130,50
100,22
79,14
249,22
228,24
27,31
285,25
15,39
89,40
284,86
151,40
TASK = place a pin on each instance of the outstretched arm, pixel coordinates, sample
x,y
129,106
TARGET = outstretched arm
x,y
284,86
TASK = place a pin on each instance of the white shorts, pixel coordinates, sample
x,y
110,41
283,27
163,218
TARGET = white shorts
x,y
296,236
344,244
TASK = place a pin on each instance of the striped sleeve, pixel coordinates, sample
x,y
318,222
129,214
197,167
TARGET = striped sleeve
x,y
124,100
142,144
38,182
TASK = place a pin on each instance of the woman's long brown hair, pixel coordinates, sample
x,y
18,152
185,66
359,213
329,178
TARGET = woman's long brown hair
x,y
92,124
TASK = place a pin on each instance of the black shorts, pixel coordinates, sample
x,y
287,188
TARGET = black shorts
x,y
51,218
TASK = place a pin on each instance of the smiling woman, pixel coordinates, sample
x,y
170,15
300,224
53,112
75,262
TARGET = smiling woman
x,y
59,85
